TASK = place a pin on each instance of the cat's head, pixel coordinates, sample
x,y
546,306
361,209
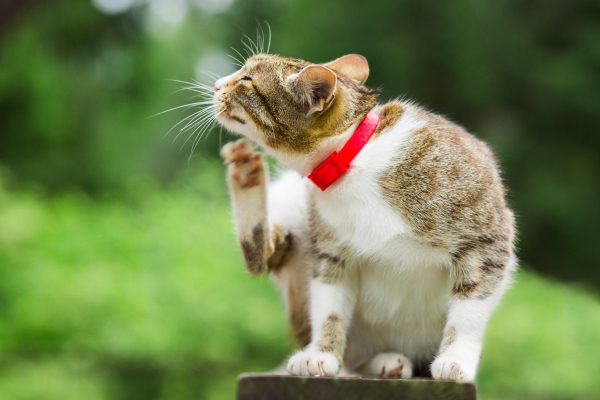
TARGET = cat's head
x,y
290,105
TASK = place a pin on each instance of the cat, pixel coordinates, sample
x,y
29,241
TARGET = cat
x,y
394,270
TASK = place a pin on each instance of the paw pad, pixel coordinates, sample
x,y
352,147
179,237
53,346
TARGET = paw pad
x,y
246,167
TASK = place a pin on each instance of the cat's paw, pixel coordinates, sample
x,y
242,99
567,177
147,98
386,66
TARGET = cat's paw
x,y
452,368
389,365
313,363
236,151
246,167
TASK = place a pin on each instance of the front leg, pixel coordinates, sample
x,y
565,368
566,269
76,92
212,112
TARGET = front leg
x,y
263,245
332,301
481,278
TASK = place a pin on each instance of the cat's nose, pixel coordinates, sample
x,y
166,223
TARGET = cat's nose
x,y
219,84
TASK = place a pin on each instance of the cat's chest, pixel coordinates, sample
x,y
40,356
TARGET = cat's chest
x,y
359,218
354,208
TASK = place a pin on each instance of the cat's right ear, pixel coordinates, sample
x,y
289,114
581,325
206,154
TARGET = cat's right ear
x,y
315,87
354,66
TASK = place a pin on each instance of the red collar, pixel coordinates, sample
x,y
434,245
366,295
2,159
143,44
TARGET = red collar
x,y
337,164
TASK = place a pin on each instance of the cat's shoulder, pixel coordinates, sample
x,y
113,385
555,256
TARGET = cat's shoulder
x,y
430,138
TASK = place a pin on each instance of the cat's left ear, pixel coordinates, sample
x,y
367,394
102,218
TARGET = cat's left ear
x,y
315,85
354,66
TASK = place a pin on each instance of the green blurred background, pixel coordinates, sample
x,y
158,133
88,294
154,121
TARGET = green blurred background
x,y
119,274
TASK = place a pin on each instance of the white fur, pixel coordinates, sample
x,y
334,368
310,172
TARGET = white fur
x,y
469,318
364,213
312,362
287,197
325,299
388,365
253,198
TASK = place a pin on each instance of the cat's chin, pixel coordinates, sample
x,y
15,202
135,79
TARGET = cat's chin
x,y
239,129
234,125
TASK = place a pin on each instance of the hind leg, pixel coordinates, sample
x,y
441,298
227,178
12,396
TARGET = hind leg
x,y
287,200
388,365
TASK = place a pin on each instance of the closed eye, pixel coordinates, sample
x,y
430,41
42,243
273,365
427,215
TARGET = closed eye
x,y
245,78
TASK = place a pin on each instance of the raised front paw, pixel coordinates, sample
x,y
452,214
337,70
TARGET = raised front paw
x,y
246,167
452,368
389,365
313,363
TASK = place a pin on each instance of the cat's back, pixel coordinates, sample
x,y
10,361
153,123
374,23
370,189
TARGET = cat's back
x,y
445,182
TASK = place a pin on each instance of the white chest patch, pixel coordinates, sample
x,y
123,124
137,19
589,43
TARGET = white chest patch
x,y
354,206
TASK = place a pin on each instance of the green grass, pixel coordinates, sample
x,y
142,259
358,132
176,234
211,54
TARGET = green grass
x,y
147,297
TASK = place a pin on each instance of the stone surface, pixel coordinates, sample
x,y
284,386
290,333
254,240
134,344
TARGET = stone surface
x,y
283,387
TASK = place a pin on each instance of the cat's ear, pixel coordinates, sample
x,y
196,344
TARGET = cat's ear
x,y
354,66
315,85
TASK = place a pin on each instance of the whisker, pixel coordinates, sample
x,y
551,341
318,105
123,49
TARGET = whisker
x,y
193,132
257,42
209,106
199,115
249,45
179,123
200,135
201,92
198,138
269,43
192,117
260,38
189,105
195,85
184,82
203,85
210,74
199,89
242,58
220,136
235,60
199,96
245,48
198,123
206,113
193,89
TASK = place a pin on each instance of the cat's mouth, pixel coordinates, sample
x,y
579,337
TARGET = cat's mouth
x,y
227,117
227,114
237,119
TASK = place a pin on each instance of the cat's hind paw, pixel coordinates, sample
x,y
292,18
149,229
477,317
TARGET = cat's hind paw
x,y
389,365
313,363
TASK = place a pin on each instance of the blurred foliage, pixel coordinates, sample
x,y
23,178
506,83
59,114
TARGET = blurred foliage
x,y
119,275
147,298
135,299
